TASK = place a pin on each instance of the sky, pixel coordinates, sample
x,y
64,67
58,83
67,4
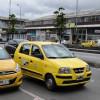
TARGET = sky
x,y
32,9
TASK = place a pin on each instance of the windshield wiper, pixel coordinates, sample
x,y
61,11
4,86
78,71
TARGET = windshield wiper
x,y
53,57
68,57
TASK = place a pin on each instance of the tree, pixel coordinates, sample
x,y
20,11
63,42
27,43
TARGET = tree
x,y
60,22
12,22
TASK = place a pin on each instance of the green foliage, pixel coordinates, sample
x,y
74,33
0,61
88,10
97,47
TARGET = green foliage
x,y
12,22
60,21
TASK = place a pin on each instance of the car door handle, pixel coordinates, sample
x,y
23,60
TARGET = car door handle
x,y
19,57
31,61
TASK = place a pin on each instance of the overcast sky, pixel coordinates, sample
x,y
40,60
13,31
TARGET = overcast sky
x,y
33,9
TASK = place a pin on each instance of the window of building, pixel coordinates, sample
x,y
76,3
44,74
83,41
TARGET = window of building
x,y
93,18
97,18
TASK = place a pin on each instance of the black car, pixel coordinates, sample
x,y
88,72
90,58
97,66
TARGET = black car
x,y
11,45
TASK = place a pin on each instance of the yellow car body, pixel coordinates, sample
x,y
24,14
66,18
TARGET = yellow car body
x,y
9,77
46,68
88,44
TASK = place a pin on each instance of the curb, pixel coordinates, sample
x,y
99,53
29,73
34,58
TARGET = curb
x,y
85,50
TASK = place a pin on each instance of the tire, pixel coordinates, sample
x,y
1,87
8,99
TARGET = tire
x,y
50,83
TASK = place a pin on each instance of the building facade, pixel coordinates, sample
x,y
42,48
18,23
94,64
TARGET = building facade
x,y
4,26
83,26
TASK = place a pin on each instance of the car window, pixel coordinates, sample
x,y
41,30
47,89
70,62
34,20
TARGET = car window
x,y
56,51
4,54
36,52
25,49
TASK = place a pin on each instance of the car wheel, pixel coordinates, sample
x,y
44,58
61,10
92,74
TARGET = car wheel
x,y
50,83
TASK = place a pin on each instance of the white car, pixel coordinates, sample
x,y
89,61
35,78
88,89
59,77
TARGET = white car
x,y
64,42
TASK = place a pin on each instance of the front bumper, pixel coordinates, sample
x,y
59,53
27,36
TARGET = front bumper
x,y
69,80
14,80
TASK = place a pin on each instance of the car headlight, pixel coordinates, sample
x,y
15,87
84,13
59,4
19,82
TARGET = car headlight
x,y
64,70
88,68
18,68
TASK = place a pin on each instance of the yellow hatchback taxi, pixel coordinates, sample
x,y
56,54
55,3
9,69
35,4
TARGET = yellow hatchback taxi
x,y
53,63
10,72
88,44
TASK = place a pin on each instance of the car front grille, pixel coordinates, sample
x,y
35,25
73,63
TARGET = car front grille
x,y
79,70
76,81
7,72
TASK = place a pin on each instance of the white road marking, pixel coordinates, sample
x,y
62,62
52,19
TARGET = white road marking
x,y
31,94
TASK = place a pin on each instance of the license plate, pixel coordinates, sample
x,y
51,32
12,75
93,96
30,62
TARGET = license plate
x,y
4,82
80,78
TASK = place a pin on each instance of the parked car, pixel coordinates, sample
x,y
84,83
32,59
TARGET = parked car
x,y
88,44
53,63
10,72
11,45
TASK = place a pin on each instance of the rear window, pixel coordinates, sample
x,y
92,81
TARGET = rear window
x,y
4,54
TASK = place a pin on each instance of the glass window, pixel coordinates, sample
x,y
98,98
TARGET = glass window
x,y
35,51
57,51
25,49
4,54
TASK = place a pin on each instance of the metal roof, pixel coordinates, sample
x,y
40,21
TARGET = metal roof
x,y
71,14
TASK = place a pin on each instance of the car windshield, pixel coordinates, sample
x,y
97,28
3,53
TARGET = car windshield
x,y
57,51
4,54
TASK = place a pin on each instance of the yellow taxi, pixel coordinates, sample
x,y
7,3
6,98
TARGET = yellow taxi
x,y
10,72
88,43
53,63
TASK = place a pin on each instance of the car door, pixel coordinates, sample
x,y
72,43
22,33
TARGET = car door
x,y
37,62
23,57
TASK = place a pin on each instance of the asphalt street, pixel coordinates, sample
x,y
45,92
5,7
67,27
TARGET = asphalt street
x,y
32,89
89,57
35,90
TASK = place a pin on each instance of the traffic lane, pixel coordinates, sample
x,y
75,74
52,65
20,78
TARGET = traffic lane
x,y
91,91
12,94
89,57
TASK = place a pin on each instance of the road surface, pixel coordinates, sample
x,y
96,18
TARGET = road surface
x,y
89,57
32,89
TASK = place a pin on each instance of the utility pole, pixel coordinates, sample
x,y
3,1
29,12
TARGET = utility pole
x,y
20,12
9,20
76,31
9,7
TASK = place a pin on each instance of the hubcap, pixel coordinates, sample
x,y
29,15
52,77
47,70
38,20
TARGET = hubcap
x,y
49,83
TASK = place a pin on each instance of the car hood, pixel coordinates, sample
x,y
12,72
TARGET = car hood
x,y
69,62
7,65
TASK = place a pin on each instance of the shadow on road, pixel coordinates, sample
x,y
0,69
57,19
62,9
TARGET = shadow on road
x,y
8,91
41,86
